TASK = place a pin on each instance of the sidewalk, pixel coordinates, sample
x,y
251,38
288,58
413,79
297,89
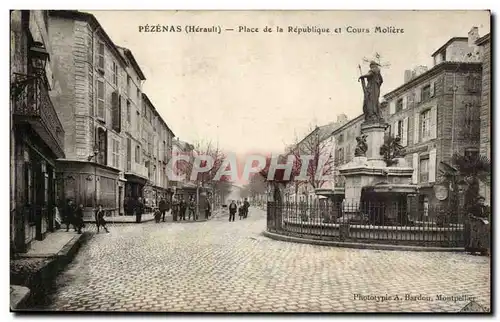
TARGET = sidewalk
x,y
123,219
32,273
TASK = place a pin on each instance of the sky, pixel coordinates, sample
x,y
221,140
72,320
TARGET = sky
x,y
256,92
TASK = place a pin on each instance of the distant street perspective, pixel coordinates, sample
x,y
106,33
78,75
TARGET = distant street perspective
x,y
250,161
222,266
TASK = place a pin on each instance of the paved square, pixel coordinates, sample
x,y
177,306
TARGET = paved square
x,y
230,267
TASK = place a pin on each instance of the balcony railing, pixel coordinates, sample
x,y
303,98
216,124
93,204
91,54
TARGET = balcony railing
x,y
32,104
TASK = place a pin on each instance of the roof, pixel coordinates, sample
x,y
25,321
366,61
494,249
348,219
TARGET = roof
x,y
448,43
484,39
155,111
91,19
183,145
134,63
348,124
451,65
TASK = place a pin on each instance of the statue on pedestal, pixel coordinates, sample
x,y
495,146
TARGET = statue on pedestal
x,y
371,90
361,146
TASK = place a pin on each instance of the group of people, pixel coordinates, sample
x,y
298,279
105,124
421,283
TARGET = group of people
x,y
240,207
73,216
180,207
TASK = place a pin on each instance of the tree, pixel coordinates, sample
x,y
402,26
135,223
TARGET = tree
x,y
278,182
469,169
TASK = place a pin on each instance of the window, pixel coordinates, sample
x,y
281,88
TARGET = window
x,y
399,130
138,154
471,153
341,138
116,153
424,169
138,122
115,74
102,146
425,124
426,92
100,99
472,122
138,95
399,105
129,154
129,86
100,56
340,156
443,56
473,83
128,112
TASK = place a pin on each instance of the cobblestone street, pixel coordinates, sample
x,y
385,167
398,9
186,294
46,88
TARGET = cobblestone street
x,y
221,266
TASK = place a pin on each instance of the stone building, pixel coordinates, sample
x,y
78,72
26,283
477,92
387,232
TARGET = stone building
x,y
485,135
320,141
36,132
156,139
435,112
99,97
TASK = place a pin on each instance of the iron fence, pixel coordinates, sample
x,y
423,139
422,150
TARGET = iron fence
x,y
388,223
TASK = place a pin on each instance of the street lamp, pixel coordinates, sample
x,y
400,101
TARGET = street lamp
x,y
90,157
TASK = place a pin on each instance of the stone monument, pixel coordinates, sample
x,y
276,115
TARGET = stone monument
x,y
368,167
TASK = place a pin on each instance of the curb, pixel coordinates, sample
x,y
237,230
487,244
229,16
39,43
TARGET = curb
x,y
18,297
44,278
360,245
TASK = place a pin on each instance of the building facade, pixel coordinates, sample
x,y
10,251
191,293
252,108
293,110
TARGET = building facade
x,y
485,147
320,144
435,113
36,132
99,98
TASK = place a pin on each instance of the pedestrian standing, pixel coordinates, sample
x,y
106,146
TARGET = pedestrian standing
x,y
182,209
232,210
99,219
69,215
79,218
163,208
246,206
208,209
139,209
175,208
191,208
241,211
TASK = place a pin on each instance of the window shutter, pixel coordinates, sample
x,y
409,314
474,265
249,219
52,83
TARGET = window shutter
x,y
114,104
405,102
119,113
392,107
394,129
418,95
404,140
416,128
434,122
432,89
414,178
432,165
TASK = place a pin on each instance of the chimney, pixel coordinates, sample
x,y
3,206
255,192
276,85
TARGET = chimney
x,y
473,36
341,118
419,70
408,75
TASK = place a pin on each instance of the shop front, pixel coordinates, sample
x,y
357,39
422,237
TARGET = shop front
x,y
89,184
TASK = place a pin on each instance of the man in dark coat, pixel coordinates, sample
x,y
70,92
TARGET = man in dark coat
x,y
208,209
232,210
163,208
182,209
79,218
139,209
69,215
175,208
246,205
